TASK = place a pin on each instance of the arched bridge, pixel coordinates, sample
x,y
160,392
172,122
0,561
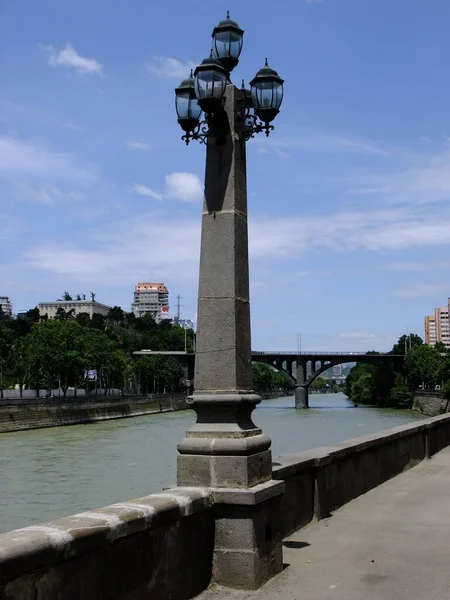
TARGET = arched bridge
x,y
296,364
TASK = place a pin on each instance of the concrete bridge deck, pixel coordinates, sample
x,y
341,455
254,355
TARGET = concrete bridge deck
x,y
391,543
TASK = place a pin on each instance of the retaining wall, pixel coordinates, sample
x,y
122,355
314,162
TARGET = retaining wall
x,y
429,403
19,415
161,546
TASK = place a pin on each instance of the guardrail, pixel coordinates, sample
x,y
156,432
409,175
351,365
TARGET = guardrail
x,y
315,353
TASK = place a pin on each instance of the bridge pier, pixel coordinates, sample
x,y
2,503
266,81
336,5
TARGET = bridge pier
x,y
301,397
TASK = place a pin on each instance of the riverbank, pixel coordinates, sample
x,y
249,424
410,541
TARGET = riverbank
x,y
34,413
22,415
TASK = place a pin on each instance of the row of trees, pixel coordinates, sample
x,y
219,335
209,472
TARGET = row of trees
x,y
266,378
42,353
425,367
61,353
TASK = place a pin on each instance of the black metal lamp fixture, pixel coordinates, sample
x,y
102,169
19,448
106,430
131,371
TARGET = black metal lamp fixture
x,y
267,93
205,90
227,42
186,104
211,79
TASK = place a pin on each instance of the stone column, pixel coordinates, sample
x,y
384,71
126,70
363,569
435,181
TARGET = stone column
x,y
301,391
225,450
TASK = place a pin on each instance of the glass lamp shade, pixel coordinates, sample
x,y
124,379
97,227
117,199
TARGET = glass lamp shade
x,y
267,93
210,81
186,104
227,43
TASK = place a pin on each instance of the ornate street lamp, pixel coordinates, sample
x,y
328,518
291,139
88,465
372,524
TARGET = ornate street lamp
x,y
211,79
225,451
267,94
186,104
227,43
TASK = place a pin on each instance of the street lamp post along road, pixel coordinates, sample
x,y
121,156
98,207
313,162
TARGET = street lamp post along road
x,y
225,451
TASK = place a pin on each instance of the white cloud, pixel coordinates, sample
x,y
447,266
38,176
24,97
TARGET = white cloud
x,y
138,146
169,67
420,290
20,159
186,187
368,190
143,190
69,57
328,142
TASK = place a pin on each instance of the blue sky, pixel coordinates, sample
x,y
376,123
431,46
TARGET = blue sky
x,y
348,199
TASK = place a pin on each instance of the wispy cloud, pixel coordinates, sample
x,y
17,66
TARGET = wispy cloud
x,y
69,57
138,146
368,191
329,142
168,67
26,158
143,190
420,290
186,187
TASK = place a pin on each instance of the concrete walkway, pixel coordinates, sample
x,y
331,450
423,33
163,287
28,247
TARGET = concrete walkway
x,y
391,543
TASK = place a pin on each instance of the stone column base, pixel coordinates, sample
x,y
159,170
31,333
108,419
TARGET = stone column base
x,y
248,543
301,397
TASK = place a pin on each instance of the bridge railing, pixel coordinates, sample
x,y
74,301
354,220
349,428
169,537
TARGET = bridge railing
x,y
303,353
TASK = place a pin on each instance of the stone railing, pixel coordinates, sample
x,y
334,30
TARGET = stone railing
x,y
321,480
159,546
162,546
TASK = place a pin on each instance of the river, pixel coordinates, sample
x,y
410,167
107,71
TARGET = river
x,y
50,473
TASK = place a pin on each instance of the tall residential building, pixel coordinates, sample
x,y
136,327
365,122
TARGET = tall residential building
x,y
78,306
437,327
151,298
5,306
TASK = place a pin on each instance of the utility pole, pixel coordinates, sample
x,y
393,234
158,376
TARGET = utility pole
x,y
177,318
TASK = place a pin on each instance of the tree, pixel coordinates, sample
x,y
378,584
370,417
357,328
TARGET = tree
x,y
83,319
98,321
62,315
115,315
320,383
423,365
66,297
406,342
401,396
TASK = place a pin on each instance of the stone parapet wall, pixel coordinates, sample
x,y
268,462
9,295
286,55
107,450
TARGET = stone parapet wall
x,y
160,546
20,415
321,480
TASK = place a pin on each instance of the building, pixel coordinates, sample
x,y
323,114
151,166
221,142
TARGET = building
x,y
151,298
78,306
186,323
437,326
6,306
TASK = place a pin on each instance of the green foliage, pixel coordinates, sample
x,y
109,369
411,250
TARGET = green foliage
x,y
320,383
401,396
406,342
424,366
266,378
55,353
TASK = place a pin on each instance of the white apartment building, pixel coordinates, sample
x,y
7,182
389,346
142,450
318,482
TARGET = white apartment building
x,y
151,298
78,306
437,326
6,305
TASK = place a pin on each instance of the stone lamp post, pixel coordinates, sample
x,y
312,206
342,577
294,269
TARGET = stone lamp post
x,y
225,451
